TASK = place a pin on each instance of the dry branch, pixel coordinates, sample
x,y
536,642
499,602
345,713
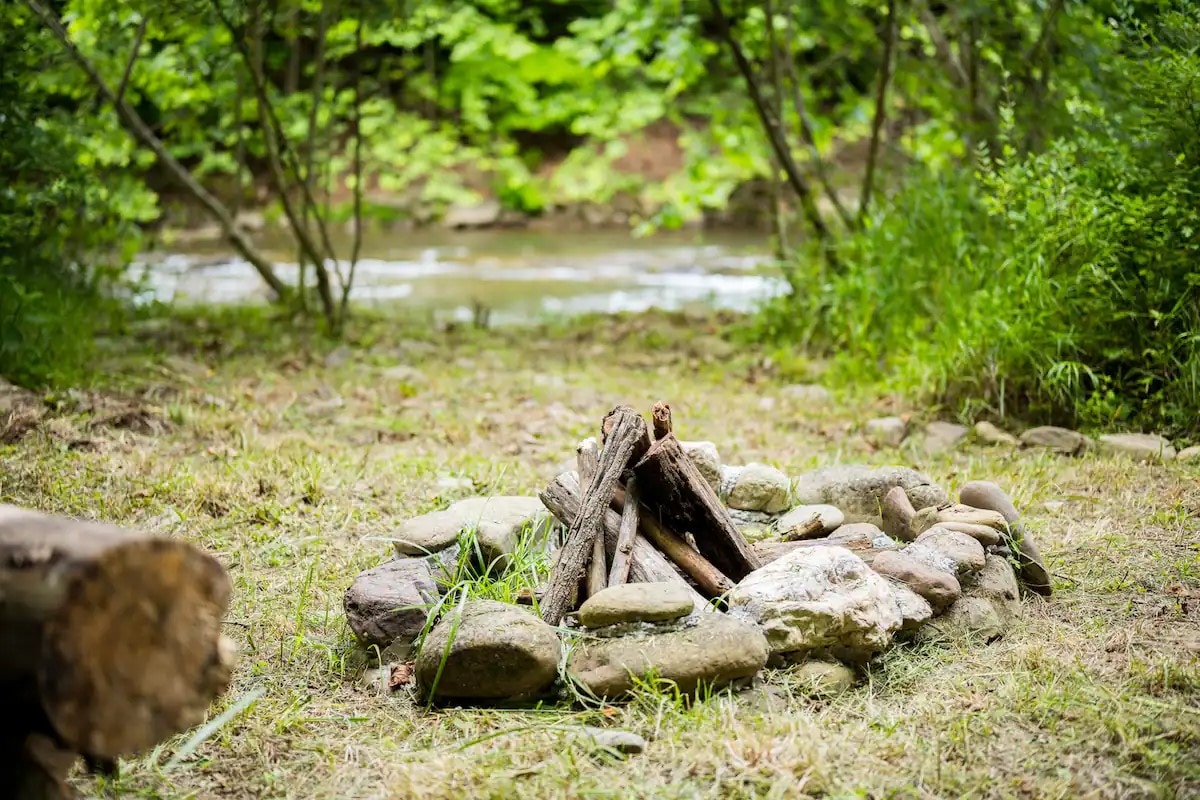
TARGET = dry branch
x,y
623,553
660,417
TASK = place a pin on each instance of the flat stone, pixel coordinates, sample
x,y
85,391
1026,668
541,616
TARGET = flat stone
x,y
756,487
1032,568
963,550
985,525
831,518
488,651
1189,455
989,433
636,602
938,587
1138,446
824,678
939,437
706,458
885,431
715,650
819,599
390,602
858,491
498,523
1060,440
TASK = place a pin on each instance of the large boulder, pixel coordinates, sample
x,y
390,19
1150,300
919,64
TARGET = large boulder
x,y
636,602
859,490
710,649
488,651
819,599
756,487
391,602
498,523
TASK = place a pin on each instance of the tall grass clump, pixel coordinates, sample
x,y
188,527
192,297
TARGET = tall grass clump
x,y
1061,286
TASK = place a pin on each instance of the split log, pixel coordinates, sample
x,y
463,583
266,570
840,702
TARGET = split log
x,y
660,418
626,535
680,497
626,435
588,460
562,497
113,638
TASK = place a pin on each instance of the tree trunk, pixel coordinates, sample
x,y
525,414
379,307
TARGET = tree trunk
x,y
114,637
673,488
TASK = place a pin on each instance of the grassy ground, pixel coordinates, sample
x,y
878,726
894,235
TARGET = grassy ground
x,y
289,466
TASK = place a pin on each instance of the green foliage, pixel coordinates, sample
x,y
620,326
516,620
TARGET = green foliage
x,y
1061,285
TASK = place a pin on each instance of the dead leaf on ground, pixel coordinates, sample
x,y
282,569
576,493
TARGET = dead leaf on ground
x,y
401,676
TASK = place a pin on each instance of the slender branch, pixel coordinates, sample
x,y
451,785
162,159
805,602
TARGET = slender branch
x,y
958,75
775,136
877,121
138,38
356,248
310,146
142,132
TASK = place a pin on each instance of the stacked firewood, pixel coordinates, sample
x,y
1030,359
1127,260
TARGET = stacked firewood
x,y
639,510
111,642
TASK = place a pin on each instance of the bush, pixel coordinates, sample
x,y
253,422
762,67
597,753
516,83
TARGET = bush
x,y
1062,286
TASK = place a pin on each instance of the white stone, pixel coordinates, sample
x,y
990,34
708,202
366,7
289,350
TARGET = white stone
x,y
886,431
757,487
1138,446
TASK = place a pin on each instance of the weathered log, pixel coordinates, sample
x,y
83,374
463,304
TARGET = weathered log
x,y
114,637
813,526
588,459
660,418
623,552
679,496
562,497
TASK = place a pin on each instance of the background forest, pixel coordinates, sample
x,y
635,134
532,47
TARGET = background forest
x,y
992,206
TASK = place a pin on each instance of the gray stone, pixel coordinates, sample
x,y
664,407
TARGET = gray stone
x,y
497,521
1188,455
1138,446
1033,572
963,550
757,487
819,599
390,602
938,587
939,437
857,532
625,743
831,518
488,651
1060,440
810,393
983,524
858,491
706,458
636,602
988,433
714,649
481,215
996,582
914,609
969,618
885,431
824,678
451,484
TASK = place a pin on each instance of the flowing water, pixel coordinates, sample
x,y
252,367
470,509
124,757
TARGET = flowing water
x,y
517,276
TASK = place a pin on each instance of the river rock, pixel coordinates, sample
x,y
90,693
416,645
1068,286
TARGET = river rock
x,y
939,437
968,618
914,609
964,551
885,431
996,582
819,599
824,678
490,651
939,588
858,491
1060,440
391,602
1188,455
498,522
714,650
757,487
636,602
706,458
988,433
861,532
1033,572
1138,446
982,524
831,518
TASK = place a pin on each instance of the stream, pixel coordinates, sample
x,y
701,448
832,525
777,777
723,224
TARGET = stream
x,y
517,276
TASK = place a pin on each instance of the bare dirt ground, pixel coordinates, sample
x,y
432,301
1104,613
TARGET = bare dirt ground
x,y
290,466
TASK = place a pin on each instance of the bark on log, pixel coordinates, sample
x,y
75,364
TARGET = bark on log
x,y
809,528
115,637
562,497
588,460
680,497
626,535
626,434
660,417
